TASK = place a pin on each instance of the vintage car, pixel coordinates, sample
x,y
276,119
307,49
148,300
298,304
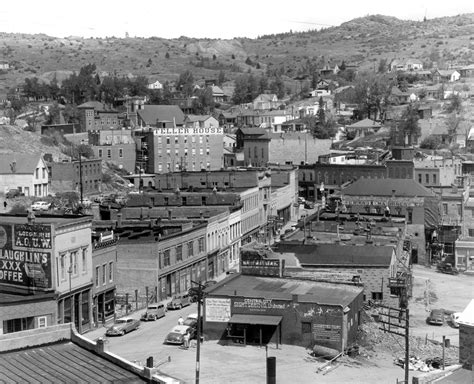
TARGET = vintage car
x,y
154,311
123,326
436,317
40,206
179,301
176,335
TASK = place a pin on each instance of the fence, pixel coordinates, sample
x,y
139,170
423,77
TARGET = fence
x,y
129,302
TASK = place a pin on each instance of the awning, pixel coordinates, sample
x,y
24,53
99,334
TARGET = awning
x,y
255,319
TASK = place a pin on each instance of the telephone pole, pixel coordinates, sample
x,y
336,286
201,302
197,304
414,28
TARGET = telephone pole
x,y
199,330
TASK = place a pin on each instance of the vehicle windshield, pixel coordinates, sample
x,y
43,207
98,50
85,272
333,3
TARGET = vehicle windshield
x,y
121,321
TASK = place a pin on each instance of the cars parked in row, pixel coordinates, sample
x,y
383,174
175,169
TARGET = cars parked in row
x,y
40,206
123,326
176,335
154,311
179,301
436,317
12,193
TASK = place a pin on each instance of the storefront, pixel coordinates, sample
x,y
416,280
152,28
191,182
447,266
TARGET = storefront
x,y
261,310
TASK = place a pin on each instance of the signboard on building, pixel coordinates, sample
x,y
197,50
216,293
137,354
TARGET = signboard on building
x,y
217,310
25,259
326,332
257,305
188,131
262,267
383,201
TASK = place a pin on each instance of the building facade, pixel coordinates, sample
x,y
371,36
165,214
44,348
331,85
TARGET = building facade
x,y
94,115
68,176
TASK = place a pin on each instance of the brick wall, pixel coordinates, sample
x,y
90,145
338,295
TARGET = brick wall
x,y
466,346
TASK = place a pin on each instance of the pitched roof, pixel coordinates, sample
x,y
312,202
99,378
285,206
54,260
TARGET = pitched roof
x,y
23,164
266,97
338,255
366,123
197,117
92,104
253,131
385,187
467,316
151,114
65,362
284,289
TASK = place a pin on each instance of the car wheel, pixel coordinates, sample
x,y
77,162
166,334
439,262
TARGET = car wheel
x,y
180,306
122,333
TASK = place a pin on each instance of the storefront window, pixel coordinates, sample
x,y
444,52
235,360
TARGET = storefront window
x,y
306,327
85,307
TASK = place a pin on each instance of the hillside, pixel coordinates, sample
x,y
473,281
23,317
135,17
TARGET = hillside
x,y
363,41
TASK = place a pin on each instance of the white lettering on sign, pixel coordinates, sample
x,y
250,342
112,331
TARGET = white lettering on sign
x,y
188,131
258,304
217,310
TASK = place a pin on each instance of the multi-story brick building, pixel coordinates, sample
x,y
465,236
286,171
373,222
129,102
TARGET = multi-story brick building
x,y
94,115
68,176
435,172
46,277
116,146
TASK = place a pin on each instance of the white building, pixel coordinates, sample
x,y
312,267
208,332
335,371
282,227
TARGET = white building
x,y
155,85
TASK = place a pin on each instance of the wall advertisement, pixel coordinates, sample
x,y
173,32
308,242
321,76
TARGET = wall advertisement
x,y
25,256
244,305
217,310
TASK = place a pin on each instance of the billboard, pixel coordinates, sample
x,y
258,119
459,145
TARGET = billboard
x,y
261,267
217,310
25,256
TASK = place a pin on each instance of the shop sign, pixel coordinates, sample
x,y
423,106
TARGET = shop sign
x,y
383,201
188,131
258,305
261,267
217,310
24,263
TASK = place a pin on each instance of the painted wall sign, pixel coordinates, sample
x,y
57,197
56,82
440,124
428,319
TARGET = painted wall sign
x,y
326,332
188,131
217,310
383,201
261,267
24,263
257,305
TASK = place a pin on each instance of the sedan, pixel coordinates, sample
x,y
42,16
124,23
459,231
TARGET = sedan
x,y
123,326
40,206
454,318
176,336
436,317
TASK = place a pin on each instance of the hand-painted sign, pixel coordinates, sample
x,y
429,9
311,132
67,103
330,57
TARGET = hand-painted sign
x,y
258,305
217,310
23,261
261,267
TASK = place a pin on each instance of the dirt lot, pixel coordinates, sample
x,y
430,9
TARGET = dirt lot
x,y
433,290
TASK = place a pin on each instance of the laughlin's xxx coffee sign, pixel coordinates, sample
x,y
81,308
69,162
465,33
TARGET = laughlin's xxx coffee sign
x,y
25,256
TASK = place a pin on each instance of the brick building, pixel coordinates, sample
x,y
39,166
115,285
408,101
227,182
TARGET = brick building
x,y
51,282
68,175
94,115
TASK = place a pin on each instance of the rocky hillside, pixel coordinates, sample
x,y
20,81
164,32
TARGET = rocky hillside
x,y
363,41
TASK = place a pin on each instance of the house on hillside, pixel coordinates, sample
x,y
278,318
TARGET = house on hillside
x,y
363,128
467,71
161,116
4,65
446,75
201,121
27,173
399,97
327,70
406,65
218,95
155,85
266,101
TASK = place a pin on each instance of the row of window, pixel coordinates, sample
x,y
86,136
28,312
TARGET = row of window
x,y
104,273
427,178
40,190
165,256
250,202
255,152
43,173
177,166
250,222
76,263
109,153
177,152
184,139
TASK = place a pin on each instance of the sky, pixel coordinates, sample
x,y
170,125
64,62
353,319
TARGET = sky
x,y
205,18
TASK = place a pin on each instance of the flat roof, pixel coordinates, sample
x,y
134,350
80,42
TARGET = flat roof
x,y
64,362
284,289
40,218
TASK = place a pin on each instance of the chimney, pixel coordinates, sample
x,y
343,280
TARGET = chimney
x,y
13,167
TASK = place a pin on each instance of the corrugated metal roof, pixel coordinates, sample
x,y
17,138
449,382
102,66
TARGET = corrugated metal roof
x,y
61,363
284,289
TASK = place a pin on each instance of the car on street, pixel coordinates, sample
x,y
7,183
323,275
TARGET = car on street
x,y
436,317
14,193
40,206
191,320
447,268
86,202
154,311
176,335
123,326
179,301
454,318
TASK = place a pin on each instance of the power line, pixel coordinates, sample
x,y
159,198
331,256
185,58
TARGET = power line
x,y
312,23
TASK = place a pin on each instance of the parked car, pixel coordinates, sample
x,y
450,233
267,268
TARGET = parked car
x,y
154,311
86,202
192,320
454,319
210,283
436,317
40,206
179,301
123,326
309,205
14,193
176,335
447,268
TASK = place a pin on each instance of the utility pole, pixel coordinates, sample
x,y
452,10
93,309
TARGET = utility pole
x,y
80,176
199,320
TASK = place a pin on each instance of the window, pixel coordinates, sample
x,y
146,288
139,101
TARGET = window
x,y
120,152
97,274
434,178
42,322
179,253
377,296
176,139
63,267
471,232
100,153
168,141
84,260
37,173
200,139
166,257
74,263
190,249
159,139
306,327
420,178
104,274
109,154
445,208
111,271
459,209
193,151
44,173
201,151
427,178
201,244
208,151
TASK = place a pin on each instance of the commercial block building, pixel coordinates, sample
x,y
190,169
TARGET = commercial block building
x,y
47,271
94,115
68,175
